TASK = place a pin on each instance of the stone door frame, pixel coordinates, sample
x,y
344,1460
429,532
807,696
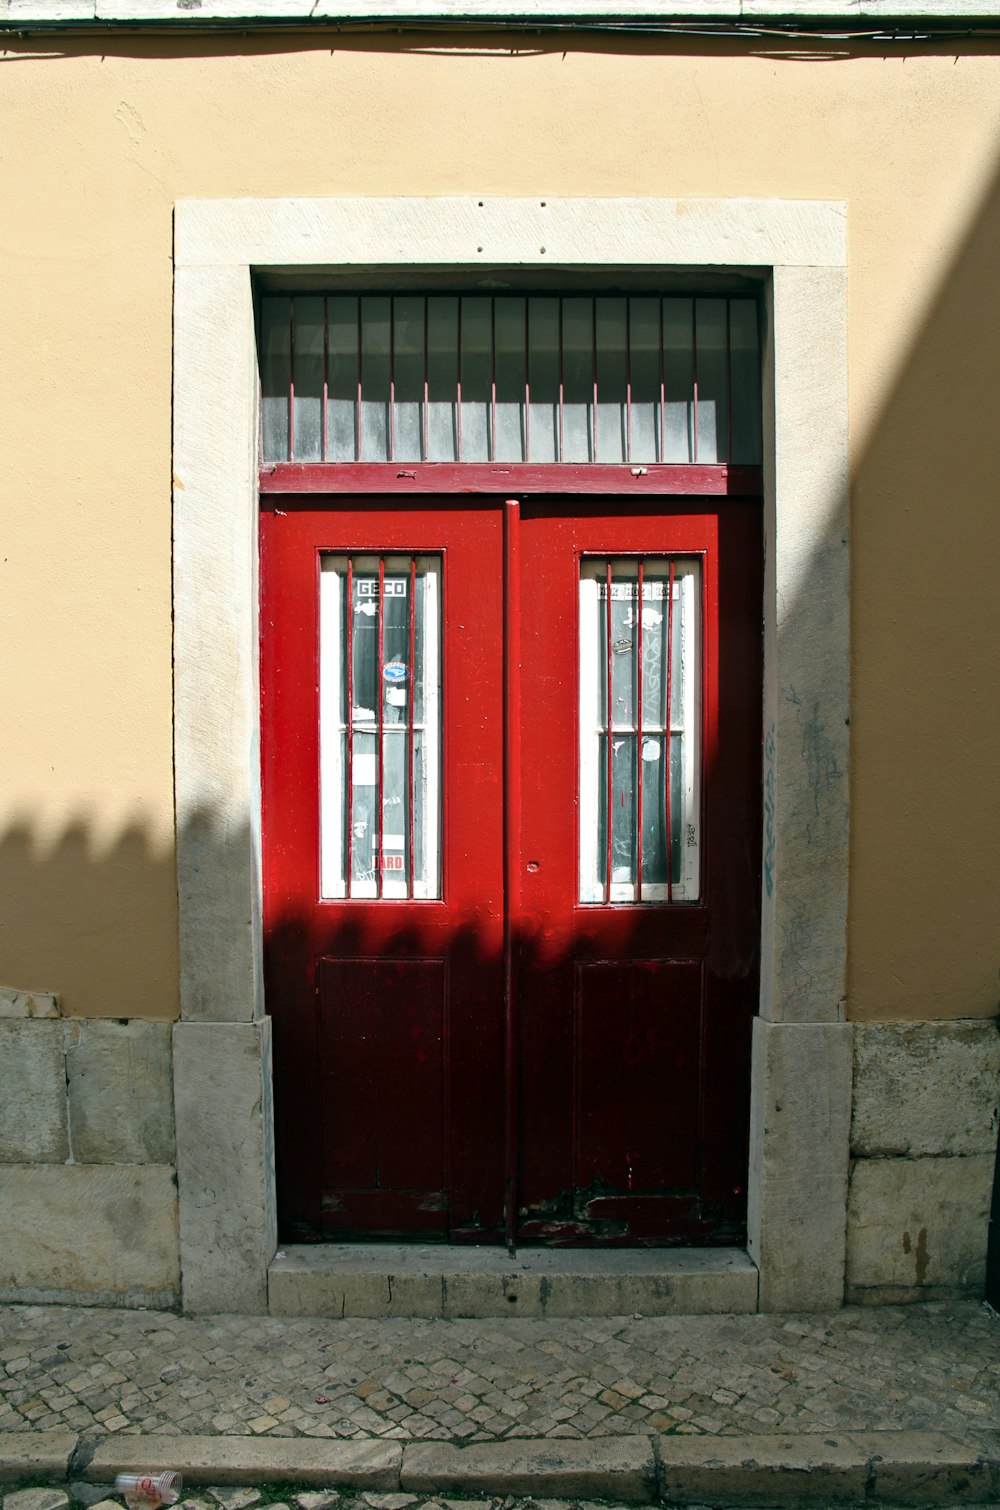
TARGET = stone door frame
x,y
800,1111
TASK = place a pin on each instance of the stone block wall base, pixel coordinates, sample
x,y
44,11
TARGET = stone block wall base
x,y
225,1163
923,1145
925,1088
89,1234
799,1127
917,1226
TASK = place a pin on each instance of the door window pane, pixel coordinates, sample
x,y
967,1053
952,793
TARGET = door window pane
x,y
640,655
380,726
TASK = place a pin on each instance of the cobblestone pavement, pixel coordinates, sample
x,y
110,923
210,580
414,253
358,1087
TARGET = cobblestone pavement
x,y
83,1496
928,1367
95,1497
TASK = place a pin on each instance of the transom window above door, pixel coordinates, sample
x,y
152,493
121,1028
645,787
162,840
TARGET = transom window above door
x,y
627,379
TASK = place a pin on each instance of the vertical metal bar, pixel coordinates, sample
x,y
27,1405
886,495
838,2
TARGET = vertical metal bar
x,y
638,738
561,391
357,440
628,379
493,379
291,380
458,383
392,379
512,851
326,373
427,358
610,753
694,373
670,698
527,378
663,393
379,739
349,652
729,382
594,331
411,708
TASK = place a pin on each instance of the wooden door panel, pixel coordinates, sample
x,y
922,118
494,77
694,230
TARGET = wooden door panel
x,y
383,1038
636,1082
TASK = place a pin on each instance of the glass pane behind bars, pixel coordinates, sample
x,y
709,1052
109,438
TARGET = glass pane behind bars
x,y
380,676
639,643
511,378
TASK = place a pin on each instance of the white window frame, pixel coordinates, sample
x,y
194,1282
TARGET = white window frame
x,y
332,766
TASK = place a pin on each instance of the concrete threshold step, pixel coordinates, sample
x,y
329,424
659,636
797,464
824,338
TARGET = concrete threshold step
x,y
386,1279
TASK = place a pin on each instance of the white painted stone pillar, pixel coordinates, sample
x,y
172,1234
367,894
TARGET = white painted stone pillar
x,y
801,1074
222,1044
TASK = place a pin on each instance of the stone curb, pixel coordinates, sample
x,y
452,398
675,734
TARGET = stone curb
x,y
616,1468
36,1454
828,1468
794,1470
367,1464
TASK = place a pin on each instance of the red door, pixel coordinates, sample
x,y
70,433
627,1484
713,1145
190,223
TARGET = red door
x,y
511,864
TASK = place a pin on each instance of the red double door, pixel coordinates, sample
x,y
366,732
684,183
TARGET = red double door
x,y
511,787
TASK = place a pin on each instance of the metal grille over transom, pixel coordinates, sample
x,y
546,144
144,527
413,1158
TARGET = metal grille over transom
x,y
636,378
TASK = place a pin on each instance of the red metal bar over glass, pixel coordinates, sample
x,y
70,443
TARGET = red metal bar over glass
x,y
291,379
349,644
638,738
694,378
628,382
729,381
326,378
594,355
493,380
527,380
426,424
562,391
663,392
458,387
357,427
610,745
392,380
670,695
411,692
379,736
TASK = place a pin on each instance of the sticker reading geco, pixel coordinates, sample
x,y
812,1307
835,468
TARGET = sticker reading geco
x,y
394,671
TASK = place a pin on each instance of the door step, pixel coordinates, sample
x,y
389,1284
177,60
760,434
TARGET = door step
x,y
384,1279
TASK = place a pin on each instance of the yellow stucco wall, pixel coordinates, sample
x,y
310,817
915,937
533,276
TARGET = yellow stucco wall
x,y
97,141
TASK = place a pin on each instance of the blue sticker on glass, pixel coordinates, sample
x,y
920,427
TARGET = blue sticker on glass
x,y
394,671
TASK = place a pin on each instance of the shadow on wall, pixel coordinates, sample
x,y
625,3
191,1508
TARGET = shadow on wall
x,y
93,922
925,825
